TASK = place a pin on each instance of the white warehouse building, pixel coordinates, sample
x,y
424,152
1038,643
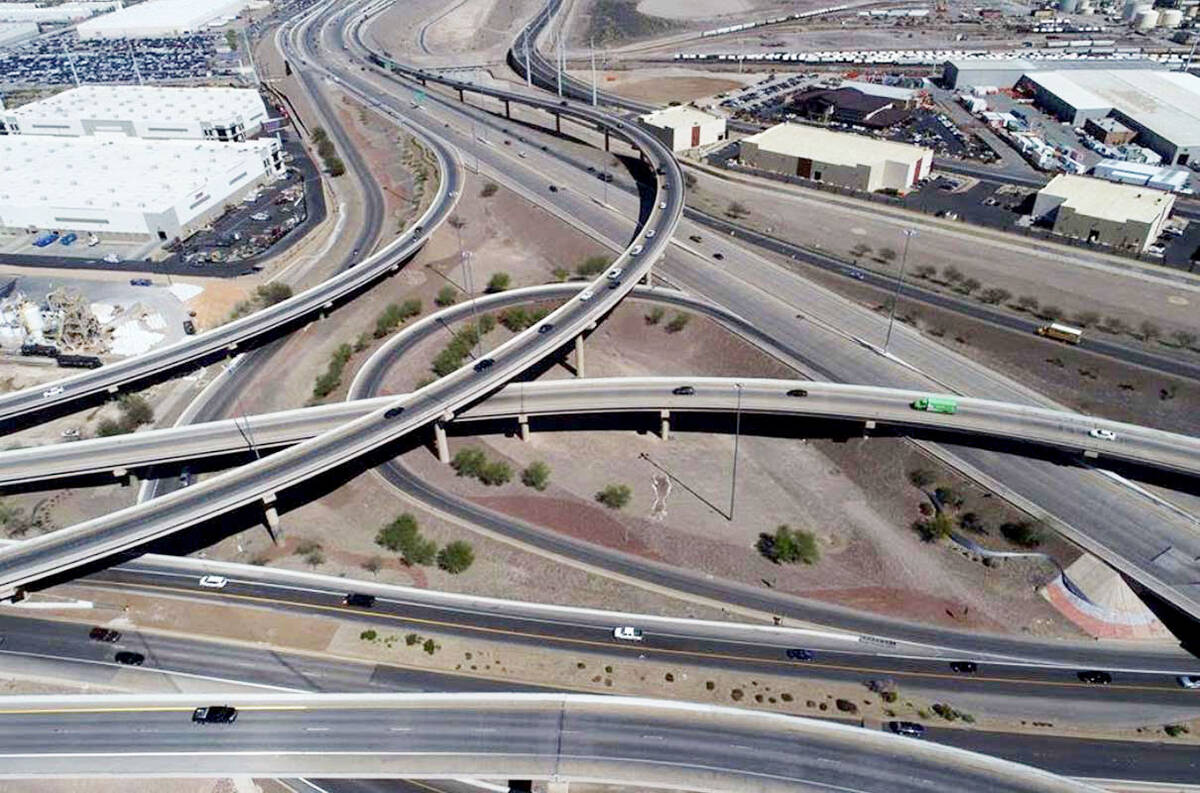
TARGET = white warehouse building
x,y
160,18
54,14
218,114
682,127
123,186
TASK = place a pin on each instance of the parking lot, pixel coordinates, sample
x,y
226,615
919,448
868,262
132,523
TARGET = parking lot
x,y
56,60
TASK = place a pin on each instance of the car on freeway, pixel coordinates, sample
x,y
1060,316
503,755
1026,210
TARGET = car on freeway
x,y
591,169
683,390
185,478
719,256
359,600
586,295
189,327
1095,678
636,250
521,154
628,633
605,176
213,581
964,667
1104,435
800,654
798,392
483,364
553,189
129,658
51,392
67,239
614,273
140,282
260,216
545,327
614,284
909,728
857,274
662,204
1189,681
695,238
215,714
70,433
99,634
112,258
650,234
393,412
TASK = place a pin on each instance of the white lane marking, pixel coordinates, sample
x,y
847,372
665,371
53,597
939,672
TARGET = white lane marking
x,y
399,729
316,729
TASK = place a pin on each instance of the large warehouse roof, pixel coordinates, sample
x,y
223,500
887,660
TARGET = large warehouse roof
x,y
678,116
159,18
837,148
1166,103
64,12
1105,200
118,173
147,103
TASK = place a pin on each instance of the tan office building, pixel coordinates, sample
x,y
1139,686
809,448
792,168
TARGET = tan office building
x,y
840,158
1129,217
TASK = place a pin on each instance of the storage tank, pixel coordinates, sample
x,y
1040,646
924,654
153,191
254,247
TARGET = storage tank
x,y
1170,18
1068,6
1145,19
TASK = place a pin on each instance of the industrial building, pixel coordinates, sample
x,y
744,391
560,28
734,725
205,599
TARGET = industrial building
x,y
1118,215
850,106
122,186
1109,131
1005,72
1136,173
840,158
682,127
217,114
1163,108
160,18
61,14
15,32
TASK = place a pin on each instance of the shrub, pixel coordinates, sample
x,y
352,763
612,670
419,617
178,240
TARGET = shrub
x,y
391,317
970,521
887,255
1027,303
489,190
935,528
678,322
498,282
446,296
948,496
593,265
516,319
469,461
315,558
1176,730
328,382
272,293
411,638
536,475
403,536
1023,533
560,273
846,706
614,496
994,295
921,477
789,546
655,315
368,635
373,565
430,646
335,166
456,557
969,285
135,411
495,472
737,210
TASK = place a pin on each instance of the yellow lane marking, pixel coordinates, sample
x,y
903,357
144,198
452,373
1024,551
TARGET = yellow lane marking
x,y
342,611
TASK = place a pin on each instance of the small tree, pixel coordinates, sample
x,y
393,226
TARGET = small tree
x,y
593,265
1086,319
737,210
1149,331
456,557
373,565
397,534
614,496
860,250
315,558
921,477
135,411
420,551
560,273
935,528
952,274
498,282
969,285
789,546
1027,303
678,322
1184,338
495,472
655,315
970,521
994,295
1023,533
925,271
1050,311
488,190
469,461
536,475
272,293
335,166
446,296
887,255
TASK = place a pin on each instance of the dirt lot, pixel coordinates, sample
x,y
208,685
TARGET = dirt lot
x,y
665,85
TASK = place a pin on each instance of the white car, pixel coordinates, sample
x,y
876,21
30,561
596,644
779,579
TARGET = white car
x,y
112,258
650,234
1104,435
70,432
50,392
636,250
586,295
214,581
628,633
260,216
1189,681
614,273
662,204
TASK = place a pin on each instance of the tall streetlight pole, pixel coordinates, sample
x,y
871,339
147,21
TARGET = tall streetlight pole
x,y
737,436
908,235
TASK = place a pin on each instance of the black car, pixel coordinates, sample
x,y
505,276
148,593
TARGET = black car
x,y
683,390
909,728
189,327
104,635
483,364
798,392
393,412
140,282
797,654
695,238
553,189
964,667
605,177
215,714
546,328
1095,678
719,256
359,600
129,659
591,169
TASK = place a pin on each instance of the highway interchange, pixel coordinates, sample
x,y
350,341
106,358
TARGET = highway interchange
x,y
360,433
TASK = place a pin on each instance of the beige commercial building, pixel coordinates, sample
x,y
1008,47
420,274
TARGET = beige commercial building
x,y
840,158
682,127
1124,216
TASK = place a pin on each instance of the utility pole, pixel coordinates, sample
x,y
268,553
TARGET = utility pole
x,y
908,235
133,60
559,59
1187,64
593,72
737,436
70,61
528,74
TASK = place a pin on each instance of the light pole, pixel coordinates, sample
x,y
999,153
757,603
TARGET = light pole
x,y
908,235
737,436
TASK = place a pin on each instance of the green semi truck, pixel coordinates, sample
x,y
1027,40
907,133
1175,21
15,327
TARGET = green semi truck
x,y
936,404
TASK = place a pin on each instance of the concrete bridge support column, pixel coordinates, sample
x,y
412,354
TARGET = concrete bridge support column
x,y
579,356
439,441
558,122
271,517
556,787
523,423
460,95
664,430
507,110
648,278
112,389
606,140
868,425
122,476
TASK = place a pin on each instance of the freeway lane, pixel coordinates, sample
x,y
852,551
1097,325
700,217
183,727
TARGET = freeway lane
x,y
505,735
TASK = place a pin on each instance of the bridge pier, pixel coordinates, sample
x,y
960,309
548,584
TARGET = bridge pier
x,y
112,389
579,356
122,476
1091,455
664,428
606,140
648,278
439,441
557,786
507,110
523,424
271,517
558,122
868,425
460,95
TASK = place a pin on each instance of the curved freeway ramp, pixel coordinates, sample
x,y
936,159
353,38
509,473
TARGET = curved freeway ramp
x,y
566,738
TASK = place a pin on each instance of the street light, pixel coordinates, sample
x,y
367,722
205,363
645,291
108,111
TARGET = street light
x,y
908,235
737,435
